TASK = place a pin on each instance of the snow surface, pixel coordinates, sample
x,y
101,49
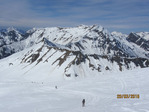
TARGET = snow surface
x,y
30,87
144,35
49,68
19,94
87,39
119,34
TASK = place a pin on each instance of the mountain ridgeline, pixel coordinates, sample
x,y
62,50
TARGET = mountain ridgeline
x,y
76,51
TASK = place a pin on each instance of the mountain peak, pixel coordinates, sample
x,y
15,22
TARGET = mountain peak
x,y
75,52
144,35
11,29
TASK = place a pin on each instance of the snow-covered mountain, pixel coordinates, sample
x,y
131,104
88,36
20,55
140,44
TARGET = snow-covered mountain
x,y
73,52
141,39
11,42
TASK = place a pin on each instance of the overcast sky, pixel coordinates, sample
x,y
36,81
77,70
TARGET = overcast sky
x,y
115,15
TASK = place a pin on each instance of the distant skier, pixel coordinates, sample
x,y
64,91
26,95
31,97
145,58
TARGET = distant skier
x,y
83,103
55,87
10,64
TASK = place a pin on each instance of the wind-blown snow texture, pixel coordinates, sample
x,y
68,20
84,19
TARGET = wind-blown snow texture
x,y
73,52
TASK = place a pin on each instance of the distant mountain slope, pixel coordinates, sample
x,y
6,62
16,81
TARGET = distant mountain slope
x,y
141,39
10,42
74,52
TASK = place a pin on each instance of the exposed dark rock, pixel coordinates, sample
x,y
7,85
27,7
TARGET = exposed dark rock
x,y
139,41
107,68
112,50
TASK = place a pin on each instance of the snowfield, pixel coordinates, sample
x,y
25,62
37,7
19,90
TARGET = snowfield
x,y
18,94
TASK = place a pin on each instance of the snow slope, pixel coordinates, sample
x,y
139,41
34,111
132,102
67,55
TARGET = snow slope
x,y
42,62
87,39
71,53
83,62
144,35
140,40
18,94
11,41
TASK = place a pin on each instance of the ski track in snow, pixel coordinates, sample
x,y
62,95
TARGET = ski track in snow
x,y
100,93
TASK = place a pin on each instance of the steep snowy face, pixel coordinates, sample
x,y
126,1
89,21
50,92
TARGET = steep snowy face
x,y
141,39
91,51
64,36
89,40
144,35
10,42
119,34
11,35
86,39
77,51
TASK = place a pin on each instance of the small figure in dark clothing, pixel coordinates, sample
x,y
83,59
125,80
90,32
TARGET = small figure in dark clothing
x,y
55,87
83,102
